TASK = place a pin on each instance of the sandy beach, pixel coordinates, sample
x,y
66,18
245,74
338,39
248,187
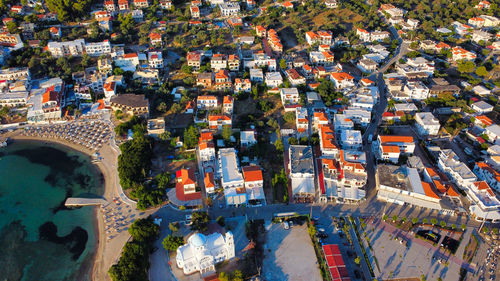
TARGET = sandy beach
x,y
108,251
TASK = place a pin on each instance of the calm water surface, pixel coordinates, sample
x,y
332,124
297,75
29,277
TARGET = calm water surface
x,y
40,239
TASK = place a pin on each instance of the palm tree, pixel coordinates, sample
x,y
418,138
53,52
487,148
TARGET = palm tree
x,y
394,218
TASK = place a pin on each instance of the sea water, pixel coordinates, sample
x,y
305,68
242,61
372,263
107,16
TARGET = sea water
x,y
40,239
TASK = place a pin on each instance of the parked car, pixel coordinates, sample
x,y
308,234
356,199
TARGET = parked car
x,y
321,235
285,225
188,220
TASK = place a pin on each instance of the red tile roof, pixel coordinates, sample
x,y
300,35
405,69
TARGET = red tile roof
x,y
252,173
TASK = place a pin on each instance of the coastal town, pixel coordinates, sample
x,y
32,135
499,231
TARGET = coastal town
x,y
269,140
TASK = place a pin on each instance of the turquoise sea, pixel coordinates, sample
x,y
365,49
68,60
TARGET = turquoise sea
x,y
40,239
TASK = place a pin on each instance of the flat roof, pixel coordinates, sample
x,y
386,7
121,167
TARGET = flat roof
x,y
229,165
301,159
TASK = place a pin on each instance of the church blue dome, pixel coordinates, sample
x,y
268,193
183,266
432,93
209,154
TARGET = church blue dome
x,y
198,240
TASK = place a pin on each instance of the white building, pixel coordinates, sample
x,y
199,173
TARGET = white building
x,y
485,205
98,48
358,115
206,151
273,79
342,80
416,90
367,65
68,48
155,60
247,138
15,73
391,147
351,139
487,173
290,98
229,9
218,62
201,253
493,133
302,120
231,178
457,171
301,171
342,122
127,62
344,179
207,102
256,75
482,107
427,124
254,185
402,185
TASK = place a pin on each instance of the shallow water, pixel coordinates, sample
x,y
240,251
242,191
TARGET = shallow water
x,y
40,239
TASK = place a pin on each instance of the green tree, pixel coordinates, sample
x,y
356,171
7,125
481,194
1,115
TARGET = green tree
x,y
466,66
223,276
394,218
162,107
414,220
227,132
199,221
237,275
12,27
144,230
481,71
311,230
171,243
220,220
357,260
165,136
134,260
279,145
425,221
293,141
163,179
191,136
283,64
67,10
463,227
186,69
442,223
434,221
173,226
126,23
289,117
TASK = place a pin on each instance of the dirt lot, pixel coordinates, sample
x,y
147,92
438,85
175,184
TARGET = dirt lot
x,y
341,15
289,254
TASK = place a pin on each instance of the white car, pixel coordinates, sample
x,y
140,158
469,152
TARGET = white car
x,y
285,225
188,220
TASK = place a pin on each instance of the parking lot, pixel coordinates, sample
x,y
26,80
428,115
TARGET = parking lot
x,y
399,257
489,269
289,254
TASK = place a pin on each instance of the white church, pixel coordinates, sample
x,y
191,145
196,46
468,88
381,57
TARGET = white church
x,y
201,252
